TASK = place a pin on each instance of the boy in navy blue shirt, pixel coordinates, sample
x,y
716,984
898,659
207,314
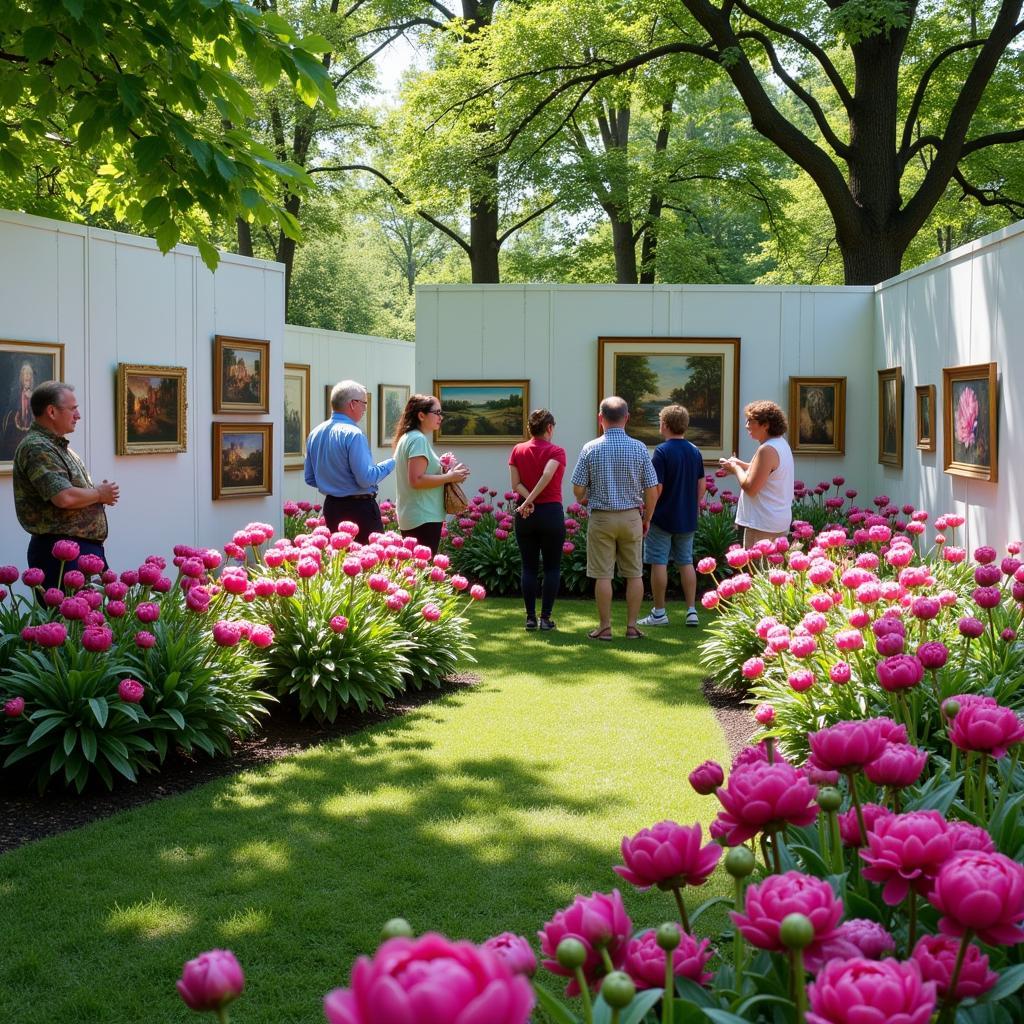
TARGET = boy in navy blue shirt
x,y
680,470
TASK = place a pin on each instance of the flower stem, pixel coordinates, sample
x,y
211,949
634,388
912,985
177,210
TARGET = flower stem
x,y
860,813
1004,790
737,940
607,960
799,985
836,843
668,1002
982,786
683,916
950,1001
222,1015
912,919
769,746
588,1008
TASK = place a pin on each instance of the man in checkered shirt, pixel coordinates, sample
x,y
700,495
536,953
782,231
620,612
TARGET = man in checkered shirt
x,y
615,478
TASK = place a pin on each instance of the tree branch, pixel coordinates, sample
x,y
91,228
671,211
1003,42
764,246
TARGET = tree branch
x,y
399,28
994,139
526,220
989,196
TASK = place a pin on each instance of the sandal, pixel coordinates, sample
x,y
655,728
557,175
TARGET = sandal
x,y
632,633
600,634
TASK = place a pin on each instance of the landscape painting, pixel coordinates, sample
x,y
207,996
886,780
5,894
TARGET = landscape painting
x,y
241,375
242,460
701,374
483,411
150,409
391,399
24,365
969,420
296,414
890,417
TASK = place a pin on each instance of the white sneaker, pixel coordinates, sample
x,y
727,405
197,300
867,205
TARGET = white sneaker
x,y
654,620
691,618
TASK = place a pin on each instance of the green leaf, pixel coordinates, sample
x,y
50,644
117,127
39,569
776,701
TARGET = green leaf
x,y
553,1008
42,729
100,710
642,1002
70,739
88,740
76,8
167,236
723,1016
1009,982
38,42
175,716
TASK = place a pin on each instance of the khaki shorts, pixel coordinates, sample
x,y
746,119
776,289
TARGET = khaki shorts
x,y
752,536
615,537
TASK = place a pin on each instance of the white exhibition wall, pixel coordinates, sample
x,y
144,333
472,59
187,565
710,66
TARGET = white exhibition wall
x,y
549,335
334,356
962,309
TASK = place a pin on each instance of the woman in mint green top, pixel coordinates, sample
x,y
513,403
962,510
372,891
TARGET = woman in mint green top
x,y
419,474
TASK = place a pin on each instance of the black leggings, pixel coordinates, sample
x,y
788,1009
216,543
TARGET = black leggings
x,y
426,533
541,534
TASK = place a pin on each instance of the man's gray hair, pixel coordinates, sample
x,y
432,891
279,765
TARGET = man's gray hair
x,y
344,391
46,394
614,409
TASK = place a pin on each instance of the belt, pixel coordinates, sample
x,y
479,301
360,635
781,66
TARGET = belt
x,y
353,497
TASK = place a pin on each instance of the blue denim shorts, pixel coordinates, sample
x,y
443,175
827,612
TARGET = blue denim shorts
x,y
662,547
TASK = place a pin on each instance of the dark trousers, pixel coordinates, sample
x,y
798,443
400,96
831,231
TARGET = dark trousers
x,y
541,535
426,533
363,511
40,555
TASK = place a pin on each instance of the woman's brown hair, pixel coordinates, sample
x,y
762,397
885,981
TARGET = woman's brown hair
x,y
410,414
540,420
769,415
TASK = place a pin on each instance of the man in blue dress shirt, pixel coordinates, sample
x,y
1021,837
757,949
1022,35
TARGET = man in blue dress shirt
x,y
340,465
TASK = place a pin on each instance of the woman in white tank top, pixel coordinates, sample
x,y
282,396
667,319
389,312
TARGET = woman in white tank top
x,y
766,482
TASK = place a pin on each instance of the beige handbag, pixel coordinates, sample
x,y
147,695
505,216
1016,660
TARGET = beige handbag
x,y
455,500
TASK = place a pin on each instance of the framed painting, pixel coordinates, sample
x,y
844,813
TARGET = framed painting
x,y
924,405
970,412
151,404
890,417
702,374
483,411
364,423
241,375
296,414
391,399
817,415
242,460
24,365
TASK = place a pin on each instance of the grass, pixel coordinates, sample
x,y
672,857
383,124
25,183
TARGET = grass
x,y
484,811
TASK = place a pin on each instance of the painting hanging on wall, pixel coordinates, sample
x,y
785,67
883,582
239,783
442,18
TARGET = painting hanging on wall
x,y
241,375
483,411
924,402
242,460
24,365
702,374
817,415
969,421
391,399
296,414
150,409
890,417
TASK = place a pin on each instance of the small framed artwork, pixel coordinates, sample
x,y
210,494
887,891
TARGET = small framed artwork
x,y
817,415
391,399
241,375
702,374
364,423
890,417
151,404
24,365
970,414
296,414
483,411
242,460
924,403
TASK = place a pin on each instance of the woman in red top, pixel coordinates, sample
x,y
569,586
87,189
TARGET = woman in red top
x,y
537,467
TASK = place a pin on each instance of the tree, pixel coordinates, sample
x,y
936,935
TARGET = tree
x,y
131,84
875,84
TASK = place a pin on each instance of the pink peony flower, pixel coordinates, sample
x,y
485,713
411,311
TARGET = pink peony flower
x,y
986,728
933,655
963,837
847,746
936,955
849,640
65,551
97,639
860,991
515,951
983,892
8,574
144,639
74,580
211,981
707,566
261,636
14,707
226,634
802,646
971,627
849,829
769,902
900,672
459,582
147,612
477,592
870,938
905,850
987,597
988,575
898,765
131,691
764,714
762,798
667,855
645,959
33,577
431,612
800,680
598,921
839,673
752,668
338,623
706,778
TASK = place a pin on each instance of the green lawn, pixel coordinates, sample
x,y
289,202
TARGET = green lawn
x,y
481,812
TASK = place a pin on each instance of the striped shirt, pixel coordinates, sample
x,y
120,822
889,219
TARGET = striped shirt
x,y
616,469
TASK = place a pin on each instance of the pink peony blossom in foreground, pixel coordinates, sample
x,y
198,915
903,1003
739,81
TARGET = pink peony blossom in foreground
x,y
904,851
211,980
860,991
598,921
667,855
768,903
761,797
986,728
849,828
645,959
983,892
935,956
846,746
900,672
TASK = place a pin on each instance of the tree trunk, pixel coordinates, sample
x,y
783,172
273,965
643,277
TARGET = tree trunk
x,y
483,240
244,237
286,250
625,250
870,261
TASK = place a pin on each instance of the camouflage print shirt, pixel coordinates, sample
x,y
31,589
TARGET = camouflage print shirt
x,y
44,465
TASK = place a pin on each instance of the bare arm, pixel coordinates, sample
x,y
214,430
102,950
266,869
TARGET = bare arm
x,y
550,468
651,495
754,476
72,498
421,480
580,493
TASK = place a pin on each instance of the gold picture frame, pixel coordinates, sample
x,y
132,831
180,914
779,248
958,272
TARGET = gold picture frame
x,y
483,411
970,421
890,417
296,414
24,365
241,375
925,412
243,460
817,415
702,374
391,402
151,406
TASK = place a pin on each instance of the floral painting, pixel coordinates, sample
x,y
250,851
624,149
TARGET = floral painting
x,y
969,400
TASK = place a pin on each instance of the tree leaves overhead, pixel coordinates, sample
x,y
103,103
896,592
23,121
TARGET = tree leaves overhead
x,y
138,91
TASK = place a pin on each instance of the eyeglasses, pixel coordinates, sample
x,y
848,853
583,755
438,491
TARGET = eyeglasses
x,y
435,412
361,401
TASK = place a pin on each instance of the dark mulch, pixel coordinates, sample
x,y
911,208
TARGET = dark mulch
x,y
26,817
735,718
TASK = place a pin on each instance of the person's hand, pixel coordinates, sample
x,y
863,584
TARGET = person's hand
x,y
729,464
525,509
646,524
109,492
458,473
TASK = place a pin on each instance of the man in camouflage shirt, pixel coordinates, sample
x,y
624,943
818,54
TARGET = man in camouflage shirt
x,y
54,498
